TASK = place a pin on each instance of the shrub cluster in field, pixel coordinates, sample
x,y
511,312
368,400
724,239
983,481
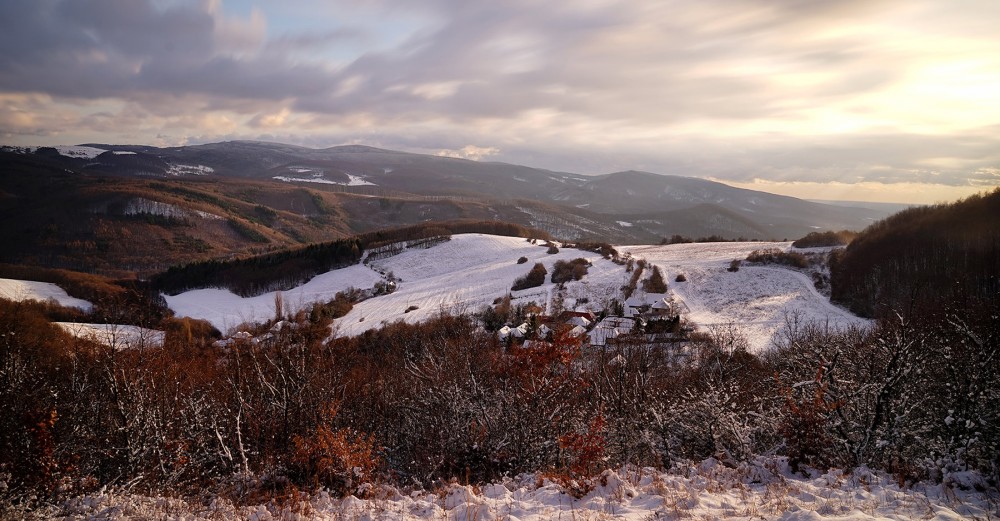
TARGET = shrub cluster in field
x,y
655,282
830,238
422,404
776,256
565,271
534,278
636,268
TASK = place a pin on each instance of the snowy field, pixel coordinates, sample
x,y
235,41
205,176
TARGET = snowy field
x,y
472,270
706,491
115,336
18,290
759,299
226,310
463,274
79,151
353,180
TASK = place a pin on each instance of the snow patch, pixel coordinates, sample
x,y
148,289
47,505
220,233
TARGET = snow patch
x,y
115,336
78,151
19,290
757,299
353,180
225,310
178,169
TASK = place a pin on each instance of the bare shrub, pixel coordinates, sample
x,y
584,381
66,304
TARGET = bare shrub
x,y
339,460
776,256
655,282
563,271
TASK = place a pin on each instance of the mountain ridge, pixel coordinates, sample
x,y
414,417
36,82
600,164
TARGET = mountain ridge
x,y
272,195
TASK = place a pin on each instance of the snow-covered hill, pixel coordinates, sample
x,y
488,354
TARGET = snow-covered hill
x,y
226,310
758,299
463,274
471,271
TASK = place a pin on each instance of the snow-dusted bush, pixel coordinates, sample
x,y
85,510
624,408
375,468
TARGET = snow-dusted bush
x,y
655,282
534,278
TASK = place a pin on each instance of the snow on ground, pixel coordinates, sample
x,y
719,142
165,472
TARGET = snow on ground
x,y
178,169
463,274
115,336
78,151
470,271
18,290
226,310
352,180
704,491
758,299
140,206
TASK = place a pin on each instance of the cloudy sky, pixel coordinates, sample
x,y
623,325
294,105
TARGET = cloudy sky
x,y
846,99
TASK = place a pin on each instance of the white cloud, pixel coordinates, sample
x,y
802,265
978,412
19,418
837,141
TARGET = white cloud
x,y
470,152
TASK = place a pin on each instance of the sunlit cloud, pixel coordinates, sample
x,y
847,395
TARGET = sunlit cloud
x,y
865,191
470,152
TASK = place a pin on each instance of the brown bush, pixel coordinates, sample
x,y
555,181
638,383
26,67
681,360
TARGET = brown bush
x,y
776,256
534,278
563,271
655,282
339,460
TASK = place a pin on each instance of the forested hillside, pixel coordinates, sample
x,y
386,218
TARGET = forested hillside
x,y
924,258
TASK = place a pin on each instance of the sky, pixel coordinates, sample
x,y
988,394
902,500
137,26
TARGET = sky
x,y
880,100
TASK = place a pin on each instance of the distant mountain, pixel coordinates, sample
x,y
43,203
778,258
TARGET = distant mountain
x,y
628,192
269,195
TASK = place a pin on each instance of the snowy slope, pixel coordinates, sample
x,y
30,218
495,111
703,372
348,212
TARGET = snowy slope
x,y
463,274
705,491
472,270
757,298
18,290
226,310
469,272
